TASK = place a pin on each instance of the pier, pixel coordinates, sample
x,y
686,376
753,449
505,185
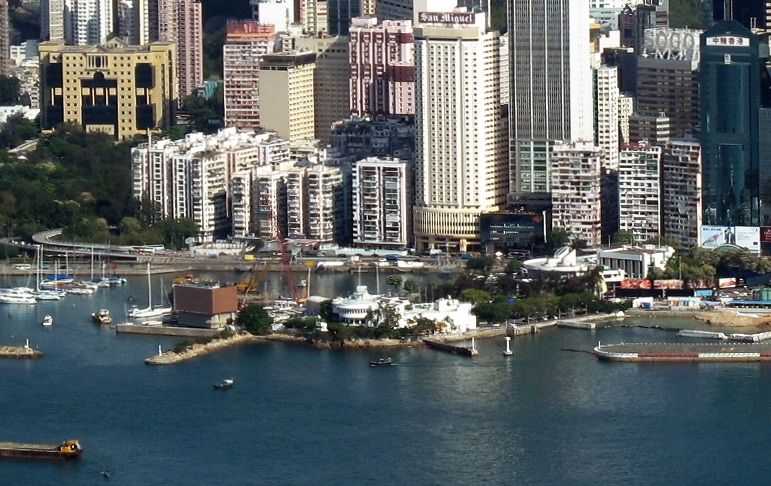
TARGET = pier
x,y
691,352
196,350
452,348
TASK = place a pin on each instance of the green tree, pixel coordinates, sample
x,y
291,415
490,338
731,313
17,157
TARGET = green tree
x,y
497,311
475,296
254,319
481,264
513,266
410,286
16,130
395,282
176,231
623,237
10,91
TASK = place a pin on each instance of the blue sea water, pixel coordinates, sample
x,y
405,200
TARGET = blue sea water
x,y
301,416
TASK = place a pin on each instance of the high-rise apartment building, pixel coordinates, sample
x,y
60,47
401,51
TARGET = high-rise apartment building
x,y
382,203
576,191
125,20
324,202
681,192
461,129
731,82
5,43
146,21
330,80
339,15
668,79
278,13
246,42
315,16
289,109
54,21
606,115
625,112
113,88
181,22
655,128
382,67
91,21
551,86
639,191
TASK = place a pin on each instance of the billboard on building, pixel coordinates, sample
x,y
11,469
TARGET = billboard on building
x,y
747,237
668,284
636,283
730,283
765,234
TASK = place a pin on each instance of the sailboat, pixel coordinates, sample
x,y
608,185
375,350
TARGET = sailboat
x,y
41,294
149,311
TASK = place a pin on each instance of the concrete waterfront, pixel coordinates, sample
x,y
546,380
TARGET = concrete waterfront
x,y
672,352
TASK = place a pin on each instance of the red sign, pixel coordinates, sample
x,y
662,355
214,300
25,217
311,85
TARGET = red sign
x,y
765,234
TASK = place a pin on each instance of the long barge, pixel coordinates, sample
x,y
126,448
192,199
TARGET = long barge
x,y
680,352
70,449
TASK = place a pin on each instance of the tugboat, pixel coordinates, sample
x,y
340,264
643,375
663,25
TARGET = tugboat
x,y
48,320
102,316
381,362
70,449
224,384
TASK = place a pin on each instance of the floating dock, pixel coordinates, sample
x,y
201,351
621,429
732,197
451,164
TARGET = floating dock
x,y
673,352
452,348
70,449
702,334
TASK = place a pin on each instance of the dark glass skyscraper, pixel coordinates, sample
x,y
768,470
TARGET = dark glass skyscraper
x,y
746,12
732,61
340,13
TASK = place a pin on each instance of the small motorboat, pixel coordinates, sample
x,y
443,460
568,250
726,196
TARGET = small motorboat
x,y
224,384
48,320
102,316
381,362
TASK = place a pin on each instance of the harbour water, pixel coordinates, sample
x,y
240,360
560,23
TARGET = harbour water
x,y
301,416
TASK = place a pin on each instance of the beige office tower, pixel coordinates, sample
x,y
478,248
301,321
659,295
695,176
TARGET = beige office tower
x,y
313,15
289,110
330,80
246,42
180,21
115,88
461,159
576,195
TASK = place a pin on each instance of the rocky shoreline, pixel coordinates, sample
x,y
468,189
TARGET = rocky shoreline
x,y
19,352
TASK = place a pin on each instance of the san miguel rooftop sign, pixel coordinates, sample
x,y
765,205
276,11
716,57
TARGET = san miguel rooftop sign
x,y
445,18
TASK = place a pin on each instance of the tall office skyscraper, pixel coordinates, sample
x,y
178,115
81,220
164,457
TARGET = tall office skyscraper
x,y
550,87
461,131
731,86
180,21
750,13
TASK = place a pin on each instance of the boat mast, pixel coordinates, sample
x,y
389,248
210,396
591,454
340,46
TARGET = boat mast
x,y
149,288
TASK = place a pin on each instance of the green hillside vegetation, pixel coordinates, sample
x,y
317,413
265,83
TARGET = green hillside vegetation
x,y
80,182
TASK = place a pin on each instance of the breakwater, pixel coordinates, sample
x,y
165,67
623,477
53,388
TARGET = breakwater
x,y
19,352
196,350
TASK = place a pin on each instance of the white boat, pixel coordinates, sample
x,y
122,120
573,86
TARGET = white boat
x,y
149,311
16,299
302,283
80,291
48,320
48,295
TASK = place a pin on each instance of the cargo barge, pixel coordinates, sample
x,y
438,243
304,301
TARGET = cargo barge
x,y
70,449
678,352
